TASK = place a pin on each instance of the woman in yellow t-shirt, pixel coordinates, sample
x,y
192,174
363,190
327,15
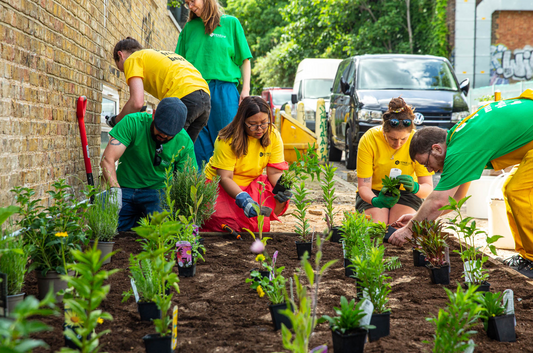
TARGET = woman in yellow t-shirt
x,y
384,151
243,149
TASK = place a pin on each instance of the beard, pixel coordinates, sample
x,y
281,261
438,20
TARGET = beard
x,y
155,137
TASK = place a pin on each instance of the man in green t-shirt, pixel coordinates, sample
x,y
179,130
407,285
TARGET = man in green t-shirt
x,y
497,136
146,146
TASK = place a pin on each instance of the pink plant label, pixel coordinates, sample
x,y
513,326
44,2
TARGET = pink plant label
x,y
184,253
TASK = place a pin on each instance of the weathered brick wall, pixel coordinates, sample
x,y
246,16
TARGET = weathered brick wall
x,y
52,52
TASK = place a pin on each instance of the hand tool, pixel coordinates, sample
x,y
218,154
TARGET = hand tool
x,y
231,231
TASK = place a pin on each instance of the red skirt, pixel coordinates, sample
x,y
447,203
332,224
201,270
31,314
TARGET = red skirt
x,y
227,212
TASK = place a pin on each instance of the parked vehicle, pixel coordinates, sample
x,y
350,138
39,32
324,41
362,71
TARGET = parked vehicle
x,y
276,96
365,84
314,78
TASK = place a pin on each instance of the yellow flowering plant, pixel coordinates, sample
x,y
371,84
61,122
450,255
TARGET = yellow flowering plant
x,y
274,287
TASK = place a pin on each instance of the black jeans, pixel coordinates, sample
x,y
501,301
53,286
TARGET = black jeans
x,y
198,105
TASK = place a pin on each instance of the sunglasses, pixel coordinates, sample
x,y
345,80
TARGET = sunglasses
x,y
396,122
158,151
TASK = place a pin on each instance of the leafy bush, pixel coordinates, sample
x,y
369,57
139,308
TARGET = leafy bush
x,y
102,216
147,283
391,186
13,261
429,239
349,317
371,276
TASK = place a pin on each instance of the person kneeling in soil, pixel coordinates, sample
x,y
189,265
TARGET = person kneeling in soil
x,y
242,151
146,146
384,151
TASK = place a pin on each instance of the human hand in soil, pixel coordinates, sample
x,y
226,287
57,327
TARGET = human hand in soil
x,y
408,183
402,221
401,236
245,201
385,201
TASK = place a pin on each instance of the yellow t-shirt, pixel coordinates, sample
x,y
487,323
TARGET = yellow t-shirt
x,y
164,73
250,166
374,158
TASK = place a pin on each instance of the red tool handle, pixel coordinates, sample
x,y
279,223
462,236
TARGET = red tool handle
x,y
80,113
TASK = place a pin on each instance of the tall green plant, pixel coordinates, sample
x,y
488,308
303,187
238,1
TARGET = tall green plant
x,y
101,216
328,192
306,164
13,261
371,275
302,203
146,280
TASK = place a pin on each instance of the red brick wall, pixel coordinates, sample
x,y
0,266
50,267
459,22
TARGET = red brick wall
x,y
512,28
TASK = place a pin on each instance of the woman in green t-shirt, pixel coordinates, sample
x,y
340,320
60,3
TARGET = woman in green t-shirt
x,y
215,44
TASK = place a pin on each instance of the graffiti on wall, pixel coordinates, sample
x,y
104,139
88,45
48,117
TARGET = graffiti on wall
x,y
147,28
507,66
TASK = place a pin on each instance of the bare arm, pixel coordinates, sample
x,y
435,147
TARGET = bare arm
x,y
364,186
246,72
273,175
426,186
136,101
227,182
114,150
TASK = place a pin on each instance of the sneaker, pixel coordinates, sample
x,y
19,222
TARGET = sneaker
x,y
518,263
514,261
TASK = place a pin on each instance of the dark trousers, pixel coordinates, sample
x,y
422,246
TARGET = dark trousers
x,y
198,105
137,203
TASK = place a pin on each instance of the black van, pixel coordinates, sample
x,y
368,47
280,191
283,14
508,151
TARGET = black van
x,y
364,86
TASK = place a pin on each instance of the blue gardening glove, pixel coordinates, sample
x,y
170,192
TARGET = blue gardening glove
x,y
384,201
110,120
283,196
408,183
245,201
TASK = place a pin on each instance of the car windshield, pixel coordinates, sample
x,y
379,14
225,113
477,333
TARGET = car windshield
x,y
281,97
317,88
406,74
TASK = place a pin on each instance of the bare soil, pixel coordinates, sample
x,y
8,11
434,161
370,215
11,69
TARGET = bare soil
x,y
218,312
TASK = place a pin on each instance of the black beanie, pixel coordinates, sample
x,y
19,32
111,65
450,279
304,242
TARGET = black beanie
x,y
170,116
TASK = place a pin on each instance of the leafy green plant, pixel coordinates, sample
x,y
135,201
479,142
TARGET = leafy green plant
x,y
16,331
492,306
349,317
274,287
328,192
391,186
453,325
13,261
357,240
429,239
146,281
302,203
303,318
101,216
288,179
306,164
486,98
471,254
87,295
371,276
41,226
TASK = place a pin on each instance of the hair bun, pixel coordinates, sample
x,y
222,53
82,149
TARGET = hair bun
x,y
397,105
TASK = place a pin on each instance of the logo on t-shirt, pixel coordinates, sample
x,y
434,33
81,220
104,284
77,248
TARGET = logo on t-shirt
x,y
218,35
397,162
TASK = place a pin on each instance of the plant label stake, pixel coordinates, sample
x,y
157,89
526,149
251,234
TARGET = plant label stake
x,y
174,327
184,253
395,172
368,308
470,349
508,301
135,292
3,295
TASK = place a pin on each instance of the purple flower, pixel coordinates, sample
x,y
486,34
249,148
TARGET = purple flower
x,y
257,247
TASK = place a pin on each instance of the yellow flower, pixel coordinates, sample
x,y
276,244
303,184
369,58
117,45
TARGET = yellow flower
x,y
61,234
493,314
71,319
260,257
260,292
100,320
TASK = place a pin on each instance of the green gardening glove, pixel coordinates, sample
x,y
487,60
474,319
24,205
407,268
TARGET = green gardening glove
x,y
408,183
384,201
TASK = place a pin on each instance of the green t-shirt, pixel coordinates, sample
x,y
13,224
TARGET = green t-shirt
x,y
218,56
495,130
136,166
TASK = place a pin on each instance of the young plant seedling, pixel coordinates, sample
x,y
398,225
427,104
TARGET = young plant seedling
x,y
328,192
349,317
302,203
392,186
430,241
371,277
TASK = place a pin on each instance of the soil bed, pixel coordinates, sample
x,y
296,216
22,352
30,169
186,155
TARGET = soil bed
x,y
218,312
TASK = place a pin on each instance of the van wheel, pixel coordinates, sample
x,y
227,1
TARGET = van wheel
x,y
335,154
350,150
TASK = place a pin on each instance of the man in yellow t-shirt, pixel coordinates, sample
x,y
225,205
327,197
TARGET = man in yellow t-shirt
x,y
163,74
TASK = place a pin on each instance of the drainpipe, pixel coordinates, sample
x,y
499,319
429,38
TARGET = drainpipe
x,y
475,36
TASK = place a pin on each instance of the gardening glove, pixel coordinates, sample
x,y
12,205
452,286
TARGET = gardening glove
x,y
408,183
115,196
283,196
245,201
384,201
110,120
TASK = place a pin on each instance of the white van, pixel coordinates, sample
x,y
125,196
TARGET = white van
x,y
314,79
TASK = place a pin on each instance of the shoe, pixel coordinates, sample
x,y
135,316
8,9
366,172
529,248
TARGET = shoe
x,y
514,261
518,263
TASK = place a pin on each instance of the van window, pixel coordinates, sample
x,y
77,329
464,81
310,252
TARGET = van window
x,y
410,73
315,89
281,97
344,67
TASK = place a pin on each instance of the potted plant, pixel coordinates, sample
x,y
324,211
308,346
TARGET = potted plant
x,y
473,256
328,193
391,186
498,325
13,261
274,287
102,221
285,183
348,328
188,249
433,246
302,203
453,325
420,230
372,278
51,233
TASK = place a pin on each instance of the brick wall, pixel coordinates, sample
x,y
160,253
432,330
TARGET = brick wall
x,y
512,28
52,52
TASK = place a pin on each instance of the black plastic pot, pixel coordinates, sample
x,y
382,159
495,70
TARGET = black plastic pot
x,y
349,271
382,323
389,232
148,311
265,274
187,271
302,247
501,328
278,188
483,287
154,343
439,275
336,236
277,317
351,342
419,259
68,342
